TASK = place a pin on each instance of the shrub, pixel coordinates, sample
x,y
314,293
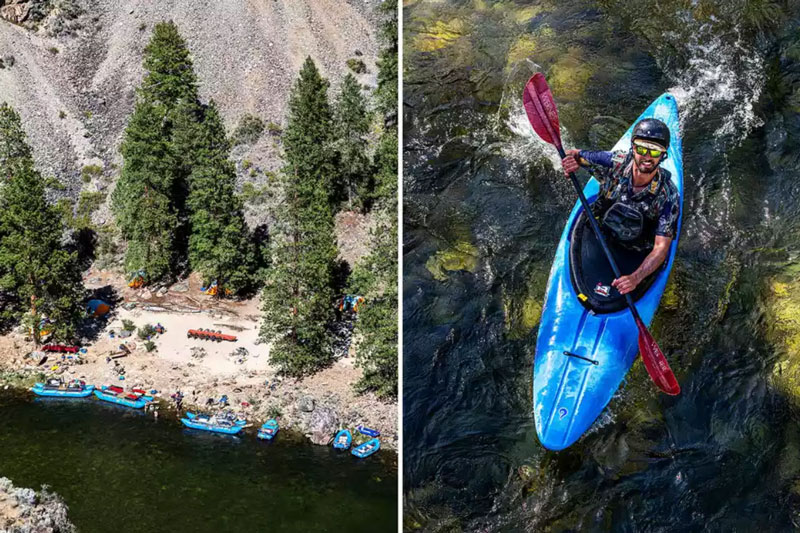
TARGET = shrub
x,y
88,202
149,346
62,114
128,325
146,331
246,164
249,129
274,129
356,65
274,411
90,171
142,26
53,50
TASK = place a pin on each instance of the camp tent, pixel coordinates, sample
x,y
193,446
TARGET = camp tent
x,y
97,308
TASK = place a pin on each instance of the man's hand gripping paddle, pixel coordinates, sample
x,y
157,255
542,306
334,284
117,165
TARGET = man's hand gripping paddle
x,y
543,116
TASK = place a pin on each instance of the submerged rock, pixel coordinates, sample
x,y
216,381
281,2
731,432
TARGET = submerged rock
x,y
462,256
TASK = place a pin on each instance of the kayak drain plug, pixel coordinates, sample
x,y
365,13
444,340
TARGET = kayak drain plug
x,y
570,354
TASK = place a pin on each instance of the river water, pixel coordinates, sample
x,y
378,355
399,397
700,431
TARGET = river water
x,y
484,207
117,468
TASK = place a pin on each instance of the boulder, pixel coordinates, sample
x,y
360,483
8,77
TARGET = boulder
x,y
323,424
15,11
305,404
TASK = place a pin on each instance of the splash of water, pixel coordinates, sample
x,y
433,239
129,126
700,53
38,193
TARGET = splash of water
x,y
720,74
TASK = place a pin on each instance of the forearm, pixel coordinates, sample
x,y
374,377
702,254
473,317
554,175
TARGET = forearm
x,y
600,158
653,260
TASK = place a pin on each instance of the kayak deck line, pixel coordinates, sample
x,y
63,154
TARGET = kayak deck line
x,y
570,354
567,406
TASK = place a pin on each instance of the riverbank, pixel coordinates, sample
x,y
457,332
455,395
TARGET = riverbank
x,y
27,510
202,370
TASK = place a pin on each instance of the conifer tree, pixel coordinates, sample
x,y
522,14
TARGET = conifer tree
x,y
351,126
307,140
42,278
150,197
219,247
375,277
142,200
298,299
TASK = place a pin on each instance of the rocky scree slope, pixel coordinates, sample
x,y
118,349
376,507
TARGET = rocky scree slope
x,y
70,68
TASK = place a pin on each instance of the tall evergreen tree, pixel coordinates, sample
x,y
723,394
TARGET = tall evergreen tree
x,y
43,279
150,199
298,299
142,200
219,247
375,277
307,140
351,126
386,92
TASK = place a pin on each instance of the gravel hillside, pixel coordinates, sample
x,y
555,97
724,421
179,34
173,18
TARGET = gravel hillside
x,y
71,68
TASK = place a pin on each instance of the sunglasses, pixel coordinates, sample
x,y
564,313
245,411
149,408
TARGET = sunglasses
x,y
642,150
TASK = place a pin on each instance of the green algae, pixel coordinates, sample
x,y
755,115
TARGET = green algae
x,y
461,256
523,308
783,332
439,34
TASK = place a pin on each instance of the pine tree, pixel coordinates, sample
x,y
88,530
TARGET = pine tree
x,y
351,126
43,279
298,299
142,200
386,93
307,140
375,278
219,247
150,198
170,75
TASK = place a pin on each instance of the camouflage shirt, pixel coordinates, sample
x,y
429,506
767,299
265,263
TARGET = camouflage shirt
x,y
658,203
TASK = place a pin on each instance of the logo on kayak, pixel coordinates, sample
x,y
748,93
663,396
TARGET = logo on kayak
x,y
602,290
562,412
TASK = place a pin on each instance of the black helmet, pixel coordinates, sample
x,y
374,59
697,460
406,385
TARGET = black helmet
x,y
652,129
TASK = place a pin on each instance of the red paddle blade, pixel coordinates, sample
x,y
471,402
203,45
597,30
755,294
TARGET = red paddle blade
x,y
541,109
655,362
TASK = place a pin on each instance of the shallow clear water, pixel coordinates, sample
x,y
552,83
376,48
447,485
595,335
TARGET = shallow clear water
x,y
118,468
484,207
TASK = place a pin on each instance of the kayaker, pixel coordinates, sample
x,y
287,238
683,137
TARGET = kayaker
x,y
637,205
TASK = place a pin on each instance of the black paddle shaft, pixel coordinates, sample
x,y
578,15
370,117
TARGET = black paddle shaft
x,y
597,233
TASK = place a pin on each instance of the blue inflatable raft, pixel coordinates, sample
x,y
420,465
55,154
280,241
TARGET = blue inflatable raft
x,y
342,439
136,399
366,449
268,430
57,388
583,354
368,431
214,424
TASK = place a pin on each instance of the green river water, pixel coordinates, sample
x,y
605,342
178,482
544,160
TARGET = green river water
x,y
119,469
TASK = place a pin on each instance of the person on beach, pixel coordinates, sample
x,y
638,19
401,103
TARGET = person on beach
x,y
637,205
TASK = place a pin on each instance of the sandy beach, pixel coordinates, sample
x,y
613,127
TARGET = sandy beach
x,y
205,370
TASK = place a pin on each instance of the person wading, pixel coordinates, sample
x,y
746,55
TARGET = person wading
x,y
637,205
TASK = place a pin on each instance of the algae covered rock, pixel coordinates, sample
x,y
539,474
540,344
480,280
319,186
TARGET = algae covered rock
x,y
783,306
461,256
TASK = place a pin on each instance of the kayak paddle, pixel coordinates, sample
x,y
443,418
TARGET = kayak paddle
x,y
543,116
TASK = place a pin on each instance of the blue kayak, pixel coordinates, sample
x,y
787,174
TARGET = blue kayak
x,y
268,430
583,352
57,388
214,424
114,394
342,439
366,449
368,431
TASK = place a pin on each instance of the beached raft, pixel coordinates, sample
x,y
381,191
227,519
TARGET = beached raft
x,y
268,430
366,449
214,423
137,398
342,439
57,388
